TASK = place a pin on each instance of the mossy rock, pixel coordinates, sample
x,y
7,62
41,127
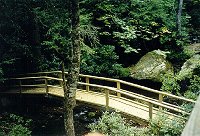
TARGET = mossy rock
x,y
192,49
187,70
152,66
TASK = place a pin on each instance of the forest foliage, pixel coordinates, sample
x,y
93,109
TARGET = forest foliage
x,y
34,36
114,34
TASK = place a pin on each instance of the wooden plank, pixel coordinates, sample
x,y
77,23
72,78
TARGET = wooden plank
x,y
26,78
36,85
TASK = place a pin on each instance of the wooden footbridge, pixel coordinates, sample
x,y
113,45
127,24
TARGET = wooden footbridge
x,y
134,100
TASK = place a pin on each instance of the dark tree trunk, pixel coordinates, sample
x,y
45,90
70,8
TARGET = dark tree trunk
x,y
36,39
180,7
73,69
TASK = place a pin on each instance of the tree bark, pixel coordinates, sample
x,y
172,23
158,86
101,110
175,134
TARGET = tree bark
x,y
180,7
73,69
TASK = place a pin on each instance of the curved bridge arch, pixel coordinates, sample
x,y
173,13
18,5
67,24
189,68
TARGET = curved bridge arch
x,y
112,95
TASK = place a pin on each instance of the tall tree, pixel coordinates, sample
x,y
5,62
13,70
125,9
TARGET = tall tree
x,y
180,7
73,68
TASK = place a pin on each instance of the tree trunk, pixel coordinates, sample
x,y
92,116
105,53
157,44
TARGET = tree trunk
x,y
180,7
73,69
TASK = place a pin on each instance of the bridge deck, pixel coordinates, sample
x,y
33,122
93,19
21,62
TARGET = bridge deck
x,y
130,108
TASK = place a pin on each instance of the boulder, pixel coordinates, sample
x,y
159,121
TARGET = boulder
x,y
187,70
193,49
152,66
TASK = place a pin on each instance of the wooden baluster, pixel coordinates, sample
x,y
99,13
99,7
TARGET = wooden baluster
x,y
107,100
20,86
150,110
118,87
87,86
60,77
160,100
46,86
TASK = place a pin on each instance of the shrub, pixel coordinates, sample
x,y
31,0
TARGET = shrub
x,y
192,92
112,124
162,125
13,125
194,85
170,84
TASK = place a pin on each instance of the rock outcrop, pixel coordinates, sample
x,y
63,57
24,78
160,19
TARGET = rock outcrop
x,y
152,66
193,49
189,66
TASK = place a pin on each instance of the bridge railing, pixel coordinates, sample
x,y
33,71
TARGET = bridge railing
x,y
159,101
85,80
118,83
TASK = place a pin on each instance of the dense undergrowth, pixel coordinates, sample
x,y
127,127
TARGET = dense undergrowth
x,y
112,124
14,125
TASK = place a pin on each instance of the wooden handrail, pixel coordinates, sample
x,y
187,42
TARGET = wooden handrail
x,y
111,80
139,86
136,97
158,102
124,82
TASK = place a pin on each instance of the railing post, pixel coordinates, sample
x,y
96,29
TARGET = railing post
x,y
87,86
60,77
107,100
150,110
118,87
160,100
46,86
20,86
